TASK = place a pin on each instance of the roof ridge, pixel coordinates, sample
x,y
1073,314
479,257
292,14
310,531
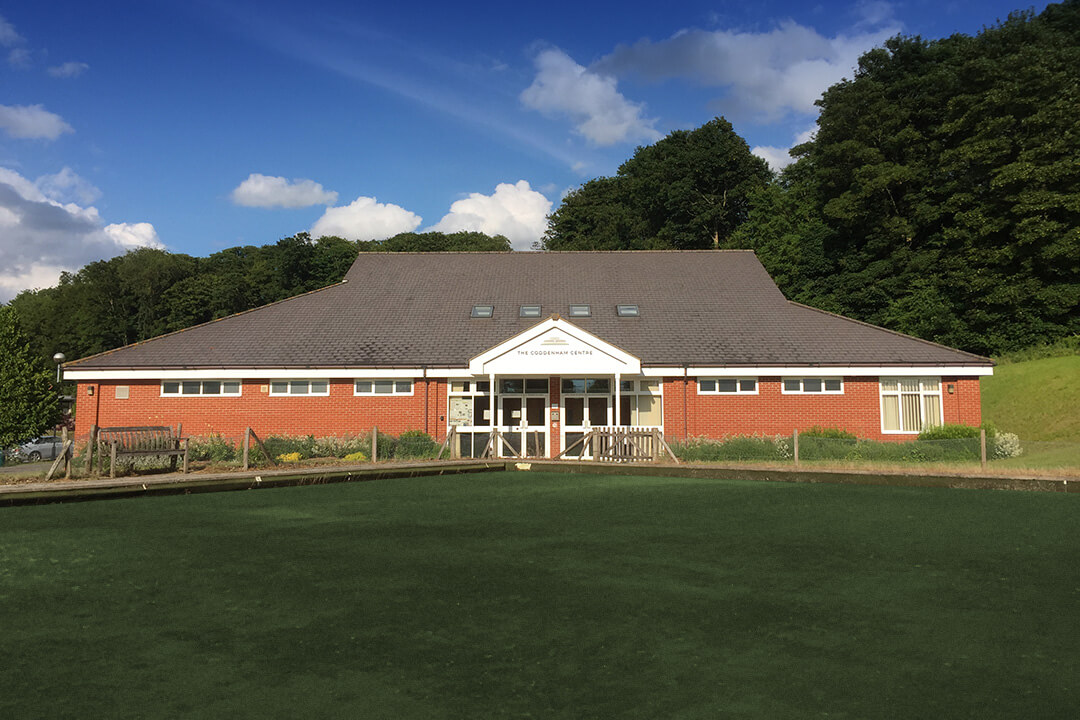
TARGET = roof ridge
x,y
203,324
893,332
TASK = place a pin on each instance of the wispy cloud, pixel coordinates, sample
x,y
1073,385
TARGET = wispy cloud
x,y
68,70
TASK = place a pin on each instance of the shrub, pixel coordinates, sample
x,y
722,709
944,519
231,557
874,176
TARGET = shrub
x,y
950,432
289,457
1006,445
341,447
738,447
824,432
213,449
357,456
413,444
277,445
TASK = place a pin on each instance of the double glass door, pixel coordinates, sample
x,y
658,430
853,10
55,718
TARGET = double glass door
x,y
523,416
587,404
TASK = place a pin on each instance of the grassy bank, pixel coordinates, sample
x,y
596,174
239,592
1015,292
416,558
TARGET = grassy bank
x,y
527,594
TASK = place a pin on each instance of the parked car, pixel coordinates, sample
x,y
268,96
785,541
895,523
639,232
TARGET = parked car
x,y
45,447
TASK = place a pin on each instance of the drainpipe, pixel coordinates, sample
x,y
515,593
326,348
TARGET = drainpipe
x,y
685,425
423,370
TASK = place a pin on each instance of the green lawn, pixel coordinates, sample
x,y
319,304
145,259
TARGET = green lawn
x,y
1036,399
544,595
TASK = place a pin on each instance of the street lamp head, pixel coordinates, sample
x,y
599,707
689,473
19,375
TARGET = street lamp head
x,y
59,358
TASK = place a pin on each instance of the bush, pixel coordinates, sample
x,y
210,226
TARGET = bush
x,y
738,447
341,447
357,456
278,445
950,432
832,433
212,449
289,457
1006,445
413,444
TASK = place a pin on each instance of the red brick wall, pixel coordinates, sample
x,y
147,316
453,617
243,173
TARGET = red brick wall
x,y
770,412
342,413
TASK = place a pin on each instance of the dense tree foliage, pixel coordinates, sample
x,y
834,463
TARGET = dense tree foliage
x,y
941,194
145,293
689,190
29,403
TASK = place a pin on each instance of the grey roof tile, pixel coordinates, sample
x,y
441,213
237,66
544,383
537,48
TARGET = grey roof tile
x,y
715,308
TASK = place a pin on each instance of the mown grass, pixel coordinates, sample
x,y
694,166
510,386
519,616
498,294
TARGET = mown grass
x,y
1036,399
544,595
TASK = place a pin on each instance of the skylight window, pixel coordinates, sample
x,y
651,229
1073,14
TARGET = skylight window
x,y
529,311
580,311
483,311
627,310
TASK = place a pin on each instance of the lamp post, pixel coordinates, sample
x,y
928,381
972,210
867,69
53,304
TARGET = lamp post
x,y
59,359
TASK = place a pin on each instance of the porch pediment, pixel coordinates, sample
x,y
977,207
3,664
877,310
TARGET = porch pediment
x,y
555,347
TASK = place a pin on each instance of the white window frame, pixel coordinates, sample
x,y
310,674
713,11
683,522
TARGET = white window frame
x,y
395,392
290,393
738,386
898,393
802,382
181,394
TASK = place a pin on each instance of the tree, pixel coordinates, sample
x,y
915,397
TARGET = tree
x,y
689,190
941,194
29,404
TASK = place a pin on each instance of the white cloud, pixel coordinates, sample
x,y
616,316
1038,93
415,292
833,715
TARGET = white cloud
x,y
365,219
41,237
32,121
589,98
765,75
68,70
270,191
516,211
67,186
778,157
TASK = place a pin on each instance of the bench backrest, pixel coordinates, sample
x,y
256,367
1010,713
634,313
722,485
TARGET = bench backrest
x,y
139,438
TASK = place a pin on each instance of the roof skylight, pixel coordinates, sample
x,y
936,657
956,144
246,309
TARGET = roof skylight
x,y
529,311
627,310
580,311
483,311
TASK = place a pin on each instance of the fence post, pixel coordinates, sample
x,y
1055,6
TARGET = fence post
x,y
67,453
375,443
90,450
982,447
795,445
247,446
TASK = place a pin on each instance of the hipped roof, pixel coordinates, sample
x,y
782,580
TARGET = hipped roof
x,y
411,310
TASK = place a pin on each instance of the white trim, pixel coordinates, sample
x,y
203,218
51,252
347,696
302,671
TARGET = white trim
x,y
593,355
249,374
834,371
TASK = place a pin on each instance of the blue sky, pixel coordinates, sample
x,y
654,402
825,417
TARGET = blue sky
x,y
197,126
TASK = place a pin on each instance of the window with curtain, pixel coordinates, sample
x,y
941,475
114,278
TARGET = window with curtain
x,y
910,405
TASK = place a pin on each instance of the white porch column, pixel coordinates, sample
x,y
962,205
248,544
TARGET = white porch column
x,y
618,399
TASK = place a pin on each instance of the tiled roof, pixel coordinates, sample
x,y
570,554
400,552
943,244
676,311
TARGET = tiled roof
x,y
705,308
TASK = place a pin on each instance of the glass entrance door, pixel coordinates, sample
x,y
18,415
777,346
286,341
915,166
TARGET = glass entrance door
x,y
523,417
587,402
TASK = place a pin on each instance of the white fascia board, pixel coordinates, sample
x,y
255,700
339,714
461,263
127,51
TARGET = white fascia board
x,y
246,373
841,371
517,355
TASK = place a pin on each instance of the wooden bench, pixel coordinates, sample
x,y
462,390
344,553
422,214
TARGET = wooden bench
x,y
140,442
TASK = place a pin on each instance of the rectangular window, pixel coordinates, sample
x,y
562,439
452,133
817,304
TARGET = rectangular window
x,y
299,387
909,405
529,311
813,386
200,388
727,386
382,387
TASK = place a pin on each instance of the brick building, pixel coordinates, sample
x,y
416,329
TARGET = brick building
x,y
540,345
